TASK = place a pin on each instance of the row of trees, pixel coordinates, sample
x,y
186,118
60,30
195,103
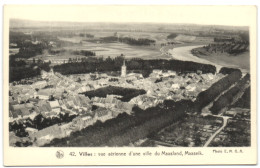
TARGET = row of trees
x,y
140,41
245,100
223,39
114,64
170,113
226,99
129,40
84,52
209,95
226,71
126,128
76,52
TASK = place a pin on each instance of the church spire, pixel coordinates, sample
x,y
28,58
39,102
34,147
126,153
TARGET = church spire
x,y
123,70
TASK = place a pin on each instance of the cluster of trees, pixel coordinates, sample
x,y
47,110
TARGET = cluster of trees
x,y
21,70
113,80
169,43
39,122
223,39
18,38
19,73
84,52
226,99
244,36
86,35
23,144
231,48
235,137
110,39
140,41
76,52
28,50
45,36
125,128
225,70
209,95
126,93
145,66
129,40
53,52
172,36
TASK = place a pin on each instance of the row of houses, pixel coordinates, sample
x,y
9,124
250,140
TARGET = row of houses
x,y
44,136
49,108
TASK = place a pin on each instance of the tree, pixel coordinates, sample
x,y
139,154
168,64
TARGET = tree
x,y
78,80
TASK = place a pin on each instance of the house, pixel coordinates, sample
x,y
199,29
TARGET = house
x,y
175,86
116,112
44,107
102,114
83,121
127,107
31,131
25,112
17,107
58,93
39,84
157,71
33,115
55,106
84,100
191,87
76,101
43,95
46,134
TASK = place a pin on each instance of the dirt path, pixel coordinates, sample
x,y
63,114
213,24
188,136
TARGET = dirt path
x,y
225,119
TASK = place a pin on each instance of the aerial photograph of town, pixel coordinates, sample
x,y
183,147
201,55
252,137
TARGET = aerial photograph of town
x,y
113,84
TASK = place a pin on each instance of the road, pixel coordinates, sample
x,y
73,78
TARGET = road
x,y
225,119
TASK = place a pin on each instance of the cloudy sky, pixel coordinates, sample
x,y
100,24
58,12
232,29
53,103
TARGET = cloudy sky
x,y
217,15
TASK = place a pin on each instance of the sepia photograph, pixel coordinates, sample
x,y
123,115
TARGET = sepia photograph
x,y
96,79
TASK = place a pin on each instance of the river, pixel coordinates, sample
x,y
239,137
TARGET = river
x,y
184,54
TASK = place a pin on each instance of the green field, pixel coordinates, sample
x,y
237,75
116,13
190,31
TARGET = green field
x,y
116,49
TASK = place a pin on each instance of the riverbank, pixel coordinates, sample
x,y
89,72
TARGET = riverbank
x,y
184,54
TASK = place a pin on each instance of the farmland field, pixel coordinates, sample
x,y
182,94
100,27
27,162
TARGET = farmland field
x,y
115,49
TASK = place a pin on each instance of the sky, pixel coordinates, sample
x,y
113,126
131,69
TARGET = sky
x,y
207,15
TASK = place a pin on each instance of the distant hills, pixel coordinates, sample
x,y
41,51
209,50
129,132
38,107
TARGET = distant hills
x,y
160,27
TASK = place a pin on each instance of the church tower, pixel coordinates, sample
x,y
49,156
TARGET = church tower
x,y
123,70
